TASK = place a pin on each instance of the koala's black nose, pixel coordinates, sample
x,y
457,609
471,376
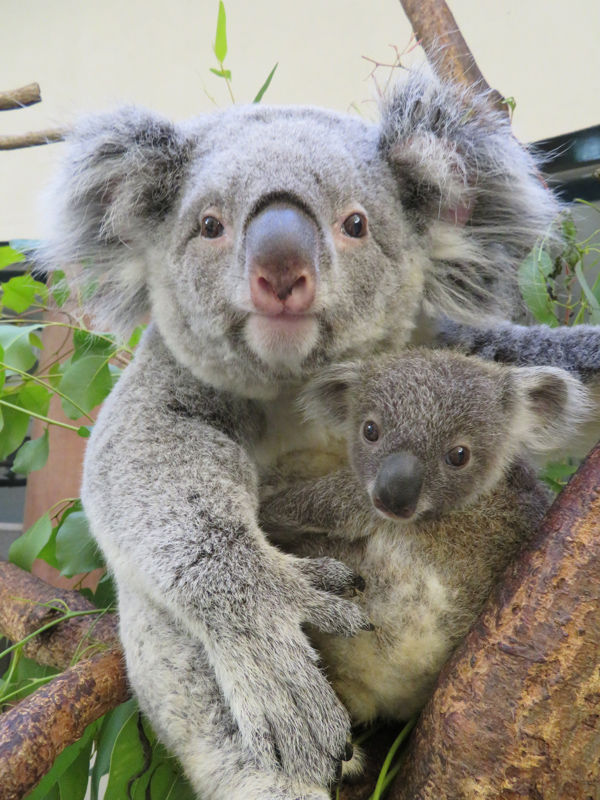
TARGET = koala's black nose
x,y
398,484
281,259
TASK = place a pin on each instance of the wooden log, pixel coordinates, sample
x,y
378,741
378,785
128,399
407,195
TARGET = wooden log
x,y
38,729
517,710
20,98
22,611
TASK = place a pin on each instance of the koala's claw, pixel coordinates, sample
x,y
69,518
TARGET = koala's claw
x,y
349,752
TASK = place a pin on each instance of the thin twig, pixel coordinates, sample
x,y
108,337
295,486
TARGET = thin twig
x,y
20,98
33,139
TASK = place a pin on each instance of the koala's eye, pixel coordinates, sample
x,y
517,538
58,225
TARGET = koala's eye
x,y
211,228
371,431
458,456
355,226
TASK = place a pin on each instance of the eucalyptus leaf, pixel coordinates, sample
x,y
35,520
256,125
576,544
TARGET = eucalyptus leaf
x,y
60,288
127,756
76,550
265,85
14,429
87,343
533,273
222,73
112,725
35,397
220,46
35,341
18,352
19,293
594,306
135,337
32,456
87,382
8,256
24,550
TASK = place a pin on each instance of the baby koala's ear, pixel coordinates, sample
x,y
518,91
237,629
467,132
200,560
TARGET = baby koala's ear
x,y
326,397
552,405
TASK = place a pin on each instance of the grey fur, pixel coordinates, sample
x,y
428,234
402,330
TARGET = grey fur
x,y
172,469
427,576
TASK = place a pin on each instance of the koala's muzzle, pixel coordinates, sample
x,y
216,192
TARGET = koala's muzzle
x,y
281,260
398,485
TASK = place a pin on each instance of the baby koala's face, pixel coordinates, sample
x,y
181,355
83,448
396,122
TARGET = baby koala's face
x,y
429,433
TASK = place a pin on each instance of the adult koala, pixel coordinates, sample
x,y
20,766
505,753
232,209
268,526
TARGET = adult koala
x,y
267,242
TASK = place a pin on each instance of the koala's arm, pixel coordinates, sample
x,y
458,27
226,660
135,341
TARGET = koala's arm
x,y
172,498
575,349
334,503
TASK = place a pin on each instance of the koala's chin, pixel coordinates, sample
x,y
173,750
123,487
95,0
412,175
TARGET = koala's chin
x,y
284,340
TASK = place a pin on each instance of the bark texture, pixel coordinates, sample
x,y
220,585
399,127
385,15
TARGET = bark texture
x,y
444,45
517,710
19,98
39,728
22,612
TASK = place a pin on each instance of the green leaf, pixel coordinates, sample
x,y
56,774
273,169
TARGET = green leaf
x,y
87,382
35,397
265,85
8,256
127,755
112,725
220,47
594,306
51,782
35,341
26,548
87,343
74,780
60,288
105,595
14,429
76,549
85,431
14,339
533,272
2,371
19,293
222,73
32,455
136,336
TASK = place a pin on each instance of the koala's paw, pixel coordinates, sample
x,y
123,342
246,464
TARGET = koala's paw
x,y
288,715
330,575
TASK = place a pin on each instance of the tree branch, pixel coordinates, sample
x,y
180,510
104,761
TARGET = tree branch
x,y
33,139
22,611
444,46
39,728
517,710
34,733
19,98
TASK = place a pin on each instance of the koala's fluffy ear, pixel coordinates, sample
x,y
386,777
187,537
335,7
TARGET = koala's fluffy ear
x,y
326,398
119,178
551,406
471,189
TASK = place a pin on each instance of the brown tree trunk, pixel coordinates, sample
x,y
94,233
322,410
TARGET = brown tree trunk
x,y
517,710
444,45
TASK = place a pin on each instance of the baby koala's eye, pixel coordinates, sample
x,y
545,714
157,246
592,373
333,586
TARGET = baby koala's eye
x,y
211,228
458,456
355,226
371,431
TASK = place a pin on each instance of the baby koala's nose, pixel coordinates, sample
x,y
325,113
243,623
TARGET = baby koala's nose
x,y
398,485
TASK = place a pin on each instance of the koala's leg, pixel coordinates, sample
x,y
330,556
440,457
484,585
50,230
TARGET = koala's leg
x,y
575,349
171,494
176,687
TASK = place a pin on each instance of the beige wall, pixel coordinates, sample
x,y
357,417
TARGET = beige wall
x,y
88,54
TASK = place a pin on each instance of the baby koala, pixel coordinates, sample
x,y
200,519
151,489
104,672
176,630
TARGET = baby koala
x,y
436,497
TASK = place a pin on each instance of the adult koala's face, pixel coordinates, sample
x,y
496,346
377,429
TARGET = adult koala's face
x,y
287,247
270,241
